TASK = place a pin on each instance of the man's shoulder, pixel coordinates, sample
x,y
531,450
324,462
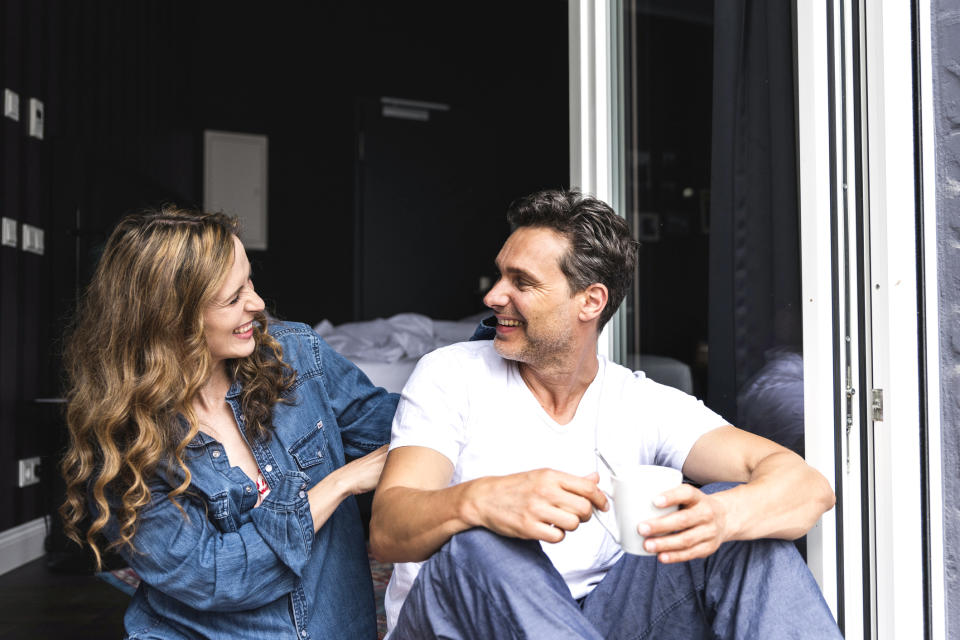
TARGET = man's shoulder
x,y
616,376
627,384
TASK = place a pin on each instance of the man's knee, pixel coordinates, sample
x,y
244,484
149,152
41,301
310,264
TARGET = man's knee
x,y
485,546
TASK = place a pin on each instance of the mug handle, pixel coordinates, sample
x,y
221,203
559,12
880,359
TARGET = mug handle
x,y
598,515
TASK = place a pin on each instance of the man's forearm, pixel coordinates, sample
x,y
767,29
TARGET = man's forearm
x,y
409,525
783,498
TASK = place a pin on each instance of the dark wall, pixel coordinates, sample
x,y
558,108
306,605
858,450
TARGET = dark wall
x,y
297,76
25,181
110,76
129,88
946,83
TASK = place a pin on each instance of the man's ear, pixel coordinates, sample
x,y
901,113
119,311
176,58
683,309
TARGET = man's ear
x,y
593,301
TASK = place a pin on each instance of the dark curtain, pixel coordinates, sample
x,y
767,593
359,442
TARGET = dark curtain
x,y
754,231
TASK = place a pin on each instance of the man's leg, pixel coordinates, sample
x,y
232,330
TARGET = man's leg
x,y
483,585
755,589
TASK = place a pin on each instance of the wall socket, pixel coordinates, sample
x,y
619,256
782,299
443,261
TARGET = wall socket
x,y
36,118
32,239
9,232
29,472
11,104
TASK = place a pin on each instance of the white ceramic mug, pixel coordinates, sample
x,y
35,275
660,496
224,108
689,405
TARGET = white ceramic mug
x,y
634,489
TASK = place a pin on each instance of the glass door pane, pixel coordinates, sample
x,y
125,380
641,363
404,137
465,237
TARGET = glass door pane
x,y
711,193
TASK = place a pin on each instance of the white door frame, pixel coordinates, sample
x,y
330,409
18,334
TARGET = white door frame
x,y
596,120
819,386
890,206
890,308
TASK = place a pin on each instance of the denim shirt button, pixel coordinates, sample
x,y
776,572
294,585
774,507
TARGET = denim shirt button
x,y
247,489
303,632
268,468
303,486
319,424
216,453
302,494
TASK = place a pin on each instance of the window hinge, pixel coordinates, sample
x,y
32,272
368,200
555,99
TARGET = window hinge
x,y
876,404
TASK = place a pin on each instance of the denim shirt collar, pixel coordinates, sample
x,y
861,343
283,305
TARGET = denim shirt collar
x,y
234,389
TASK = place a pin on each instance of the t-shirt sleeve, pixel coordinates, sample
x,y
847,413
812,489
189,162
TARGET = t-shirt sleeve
x,y
678,419
433,406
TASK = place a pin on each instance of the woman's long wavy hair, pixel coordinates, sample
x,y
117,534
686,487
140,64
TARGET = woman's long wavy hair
x,y
136,358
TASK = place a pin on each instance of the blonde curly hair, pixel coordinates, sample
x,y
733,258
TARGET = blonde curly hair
x,y
137,357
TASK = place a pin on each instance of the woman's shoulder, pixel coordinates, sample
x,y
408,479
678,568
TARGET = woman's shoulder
x,y
286,330
302,348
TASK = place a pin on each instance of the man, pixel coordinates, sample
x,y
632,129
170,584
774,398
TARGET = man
x,y
487,494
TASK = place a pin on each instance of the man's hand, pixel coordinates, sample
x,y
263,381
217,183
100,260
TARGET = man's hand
x,y
416,510
535,505
695,530
781,497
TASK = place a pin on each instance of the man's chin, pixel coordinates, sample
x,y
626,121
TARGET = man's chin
x,y
505,350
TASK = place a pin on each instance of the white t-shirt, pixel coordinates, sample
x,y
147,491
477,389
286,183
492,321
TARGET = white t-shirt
x,y
472,406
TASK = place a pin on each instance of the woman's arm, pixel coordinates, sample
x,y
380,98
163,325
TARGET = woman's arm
x,y
358,476
190,559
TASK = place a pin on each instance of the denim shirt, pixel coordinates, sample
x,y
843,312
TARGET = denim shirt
x,y
230,570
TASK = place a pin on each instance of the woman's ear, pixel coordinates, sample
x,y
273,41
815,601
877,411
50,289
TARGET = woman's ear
x,y
594,301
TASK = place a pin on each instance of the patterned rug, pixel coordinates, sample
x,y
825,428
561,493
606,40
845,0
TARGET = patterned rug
x,y
381,572
127,580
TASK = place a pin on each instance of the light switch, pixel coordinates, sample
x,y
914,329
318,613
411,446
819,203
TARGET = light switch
x,y
11,104
32,239
9,232
36,118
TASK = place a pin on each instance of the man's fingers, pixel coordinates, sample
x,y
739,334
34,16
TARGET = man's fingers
x,y
561,517
684,494
676,521
549,533
682,539
578,506
700,551
586,487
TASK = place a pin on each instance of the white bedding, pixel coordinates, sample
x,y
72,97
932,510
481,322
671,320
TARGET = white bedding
x,y
387,349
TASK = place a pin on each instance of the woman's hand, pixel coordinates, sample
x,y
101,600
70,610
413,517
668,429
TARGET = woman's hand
x,y
358,476
363,474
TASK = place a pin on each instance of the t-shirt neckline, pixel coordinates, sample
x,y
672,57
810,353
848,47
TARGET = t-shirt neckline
x,y
587,399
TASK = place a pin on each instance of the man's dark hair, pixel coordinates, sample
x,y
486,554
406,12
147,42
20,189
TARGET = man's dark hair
x,y
602,249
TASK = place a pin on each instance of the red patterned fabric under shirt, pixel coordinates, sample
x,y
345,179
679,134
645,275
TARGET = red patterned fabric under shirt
x,y
262,487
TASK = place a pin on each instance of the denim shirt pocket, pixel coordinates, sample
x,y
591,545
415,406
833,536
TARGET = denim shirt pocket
x,y
219,509
311,449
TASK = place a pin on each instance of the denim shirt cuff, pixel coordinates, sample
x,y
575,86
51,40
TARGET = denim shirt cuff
x,y
285,522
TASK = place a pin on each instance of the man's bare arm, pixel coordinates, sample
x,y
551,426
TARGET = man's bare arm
x,y
783,497
415,511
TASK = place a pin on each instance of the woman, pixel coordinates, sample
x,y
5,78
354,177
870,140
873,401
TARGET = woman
x,y
211,451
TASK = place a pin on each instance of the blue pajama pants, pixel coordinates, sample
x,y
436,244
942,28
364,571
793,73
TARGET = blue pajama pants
x,y
483,585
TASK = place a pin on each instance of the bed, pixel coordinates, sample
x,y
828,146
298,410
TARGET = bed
x,y
387,349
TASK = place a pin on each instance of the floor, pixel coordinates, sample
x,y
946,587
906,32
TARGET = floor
x,y
37,603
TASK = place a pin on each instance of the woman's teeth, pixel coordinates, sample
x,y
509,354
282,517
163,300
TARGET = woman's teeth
x,y
244,328
509,323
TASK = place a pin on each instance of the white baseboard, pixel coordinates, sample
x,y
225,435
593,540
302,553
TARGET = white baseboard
x,y
22,544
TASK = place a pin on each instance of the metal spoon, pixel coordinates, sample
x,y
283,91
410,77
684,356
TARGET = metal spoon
x,y
604,461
